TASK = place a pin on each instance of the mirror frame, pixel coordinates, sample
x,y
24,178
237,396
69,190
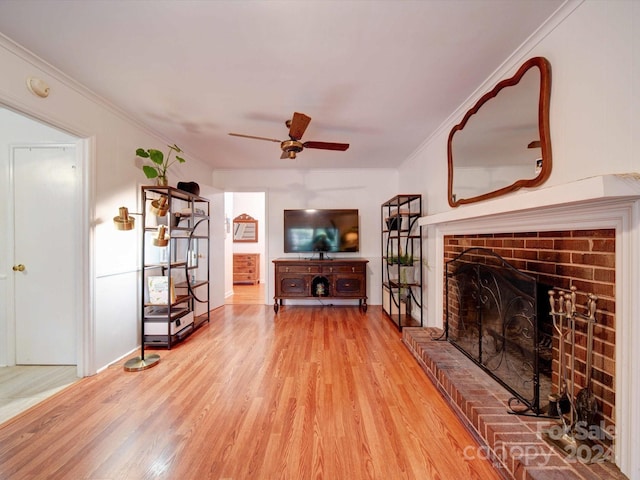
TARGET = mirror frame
x,y
250,235
543,127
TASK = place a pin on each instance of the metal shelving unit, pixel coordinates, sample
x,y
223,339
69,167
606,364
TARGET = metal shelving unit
x,y
175,253
401,246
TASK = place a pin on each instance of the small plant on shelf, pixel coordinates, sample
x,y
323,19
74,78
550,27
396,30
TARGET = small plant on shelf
x,y
160,164
406,260
402,259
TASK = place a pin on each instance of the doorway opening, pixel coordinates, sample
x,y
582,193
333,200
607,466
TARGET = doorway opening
x,y
42,350
243,254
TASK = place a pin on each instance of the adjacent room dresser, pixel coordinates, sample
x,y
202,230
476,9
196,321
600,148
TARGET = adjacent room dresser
x,y
246,268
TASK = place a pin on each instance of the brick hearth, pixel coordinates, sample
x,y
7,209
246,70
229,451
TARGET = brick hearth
x,y
512,442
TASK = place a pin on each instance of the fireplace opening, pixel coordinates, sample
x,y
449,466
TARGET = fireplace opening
x,y
499,317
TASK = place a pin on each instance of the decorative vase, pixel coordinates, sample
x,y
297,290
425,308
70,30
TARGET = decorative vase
x,y
407,274
162,181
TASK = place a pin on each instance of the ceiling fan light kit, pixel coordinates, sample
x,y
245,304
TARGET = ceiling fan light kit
x,y
297,126
290,148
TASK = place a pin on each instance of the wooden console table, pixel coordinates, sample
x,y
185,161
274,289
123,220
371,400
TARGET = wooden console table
x,y
320,279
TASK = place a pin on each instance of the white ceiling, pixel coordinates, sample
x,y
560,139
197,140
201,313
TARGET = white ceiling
x,y
381,75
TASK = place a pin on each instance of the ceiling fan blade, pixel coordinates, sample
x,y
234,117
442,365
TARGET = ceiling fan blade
x,y
299,124
254,137
326,145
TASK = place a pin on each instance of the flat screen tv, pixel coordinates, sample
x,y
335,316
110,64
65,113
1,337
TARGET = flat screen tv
x,y
329,230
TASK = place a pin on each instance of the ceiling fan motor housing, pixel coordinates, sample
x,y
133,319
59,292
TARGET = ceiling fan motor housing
x,y
291,147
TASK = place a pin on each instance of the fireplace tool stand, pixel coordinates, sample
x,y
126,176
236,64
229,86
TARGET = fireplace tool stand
x,y
570,434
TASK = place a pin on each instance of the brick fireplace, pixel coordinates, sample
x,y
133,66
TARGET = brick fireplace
x,y
564,258
584,234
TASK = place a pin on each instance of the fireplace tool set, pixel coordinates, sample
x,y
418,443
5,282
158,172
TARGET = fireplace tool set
x,y
575,410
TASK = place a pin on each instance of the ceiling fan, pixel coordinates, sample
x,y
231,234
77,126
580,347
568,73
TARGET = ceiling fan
x,y
297,125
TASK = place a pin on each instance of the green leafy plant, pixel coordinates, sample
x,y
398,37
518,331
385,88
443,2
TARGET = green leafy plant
x,y
160,163
406,259
402,259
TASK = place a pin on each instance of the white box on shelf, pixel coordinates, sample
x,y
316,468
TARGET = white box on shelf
x,y
160,328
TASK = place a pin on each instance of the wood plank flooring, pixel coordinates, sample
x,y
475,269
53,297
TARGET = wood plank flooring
x,y
322,393
246,294
23,386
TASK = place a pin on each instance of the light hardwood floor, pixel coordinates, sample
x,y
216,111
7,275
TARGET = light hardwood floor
x,y
313,392
23,386
244,294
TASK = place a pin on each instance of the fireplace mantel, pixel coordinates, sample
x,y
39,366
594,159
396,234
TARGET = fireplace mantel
x,y
607,201
586,191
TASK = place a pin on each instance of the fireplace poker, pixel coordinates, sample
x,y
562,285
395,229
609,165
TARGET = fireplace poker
x,y
570,308
586,403
559,402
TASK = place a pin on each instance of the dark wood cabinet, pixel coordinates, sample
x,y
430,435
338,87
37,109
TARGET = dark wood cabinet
x,y
321,279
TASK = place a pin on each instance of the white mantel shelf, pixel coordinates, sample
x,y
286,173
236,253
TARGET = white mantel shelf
x,y
588,190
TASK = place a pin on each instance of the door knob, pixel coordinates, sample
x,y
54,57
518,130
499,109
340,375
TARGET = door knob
x,y
18,268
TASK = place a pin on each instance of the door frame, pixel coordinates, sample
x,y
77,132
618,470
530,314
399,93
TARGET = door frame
x,y
85,266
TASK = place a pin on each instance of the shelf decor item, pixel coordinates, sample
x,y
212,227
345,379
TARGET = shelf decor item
x,y
160,163
161,290
191,187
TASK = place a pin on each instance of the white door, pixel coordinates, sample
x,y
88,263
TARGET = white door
x,y
45,186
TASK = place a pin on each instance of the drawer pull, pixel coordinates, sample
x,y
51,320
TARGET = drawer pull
x,y
353,269
347,285
309,269
292,285
331,269
287,269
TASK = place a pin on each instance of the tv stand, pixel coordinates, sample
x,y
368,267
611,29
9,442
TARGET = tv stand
x,y
319,279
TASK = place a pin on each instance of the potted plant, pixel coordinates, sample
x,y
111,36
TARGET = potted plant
x,y
406,260
402,259
407,268
158,169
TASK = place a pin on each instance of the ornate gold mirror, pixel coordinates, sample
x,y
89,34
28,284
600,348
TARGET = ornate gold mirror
x,y
245,229
503,142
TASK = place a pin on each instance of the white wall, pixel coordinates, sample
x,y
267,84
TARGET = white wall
x,y
594,51
114,179
365,190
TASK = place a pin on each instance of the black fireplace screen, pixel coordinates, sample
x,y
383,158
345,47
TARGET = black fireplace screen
x,y
494,317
